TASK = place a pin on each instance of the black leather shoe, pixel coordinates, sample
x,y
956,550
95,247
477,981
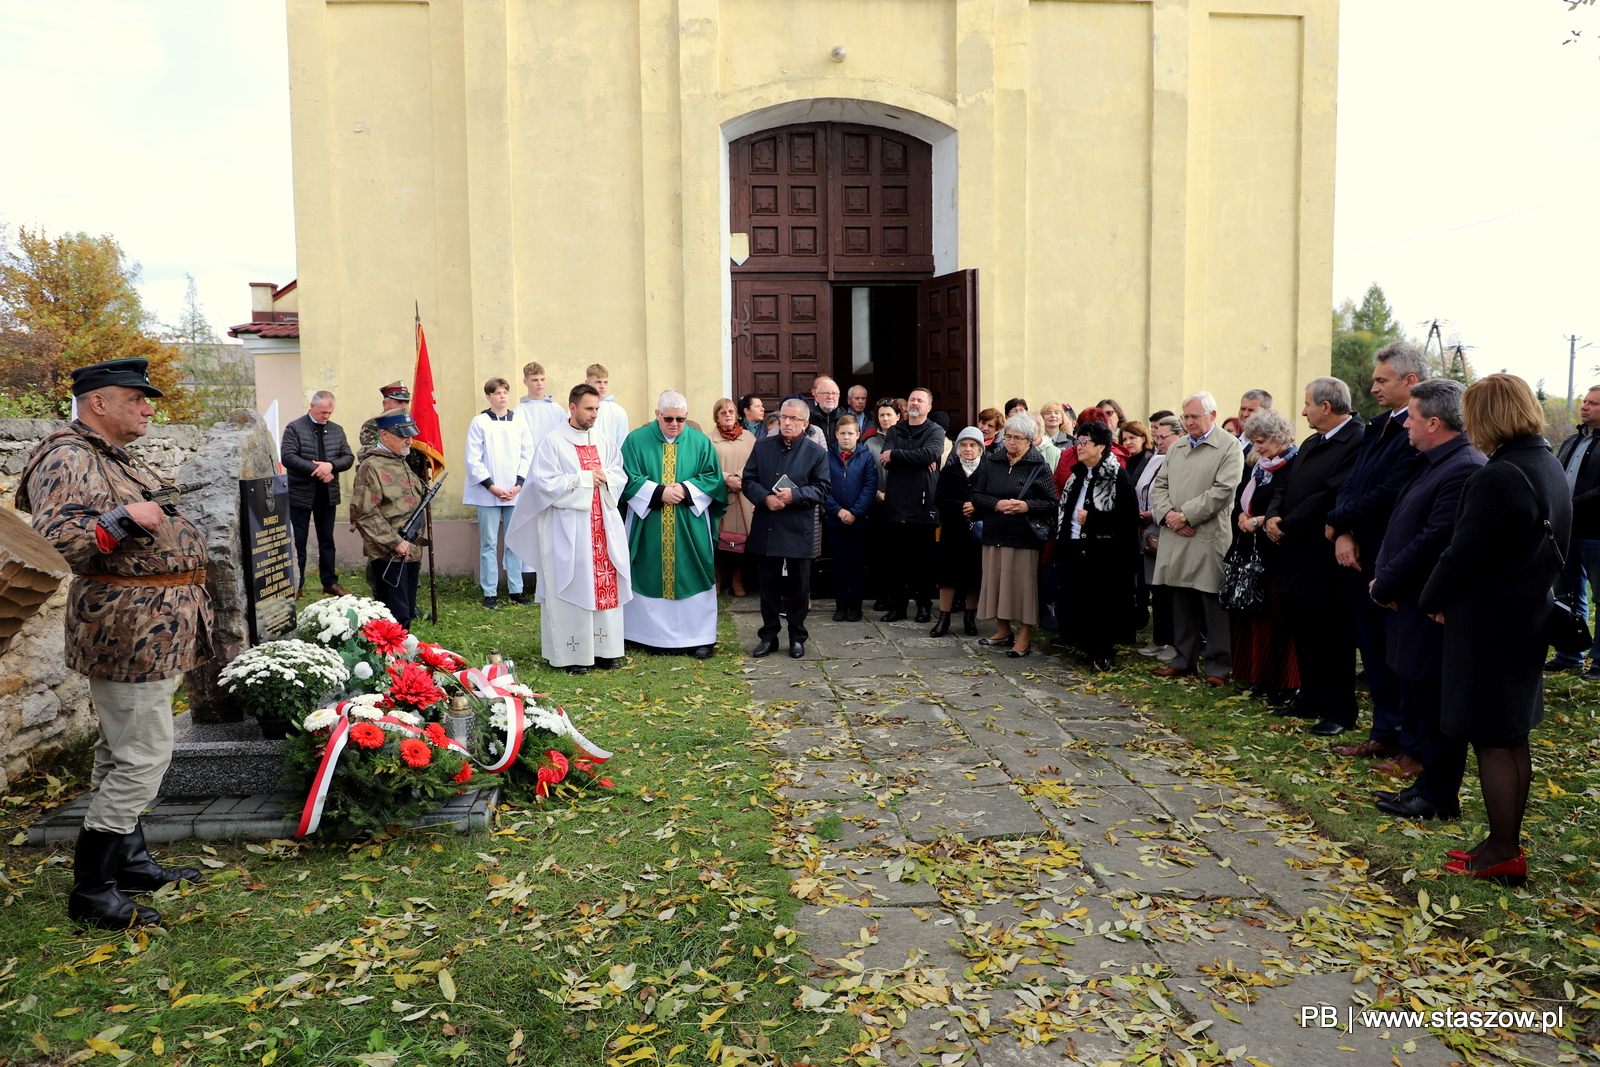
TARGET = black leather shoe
x,y
491,602
519,598
924,612
577,668
853,614
1281,698
1326,728
840,613
704,652
998,642
881,604
894,615
1014,654
1418,808
137,870
797,650
969,622
765,648
95,898
941,627
1296,711
1102,665
1390,794
608,664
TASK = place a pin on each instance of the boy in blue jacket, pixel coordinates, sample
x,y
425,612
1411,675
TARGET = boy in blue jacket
x,y
850,494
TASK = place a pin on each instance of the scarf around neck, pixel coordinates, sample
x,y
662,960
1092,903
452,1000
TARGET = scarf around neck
x,y
1103,482
1262,475
733,434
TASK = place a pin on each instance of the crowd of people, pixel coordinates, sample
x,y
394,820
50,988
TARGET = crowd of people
x,y
1252,557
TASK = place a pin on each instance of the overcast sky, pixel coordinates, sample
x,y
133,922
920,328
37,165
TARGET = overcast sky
x,y
1468,144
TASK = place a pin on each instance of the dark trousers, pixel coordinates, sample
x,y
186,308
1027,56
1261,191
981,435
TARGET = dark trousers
x,y
1194,614
911,549
781,592
397,592
849,562
1444,758
1325,645
1084,580
1372,638
300,519
1161,614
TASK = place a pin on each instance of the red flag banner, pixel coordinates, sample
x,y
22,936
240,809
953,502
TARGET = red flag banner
x,y
425,407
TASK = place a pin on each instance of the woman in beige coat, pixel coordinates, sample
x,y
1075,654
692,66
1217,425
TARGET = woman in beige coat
x,y
733,444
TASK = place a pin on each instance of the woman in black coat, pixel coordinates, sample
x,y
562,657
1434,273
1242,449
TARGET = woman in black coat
x,y
960,556
1011,487
1263,643
1491,590
1098,547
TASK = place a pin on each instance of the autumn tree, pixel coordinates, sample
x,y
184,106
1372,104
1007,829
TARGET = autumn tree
x,y
1358,332
72,300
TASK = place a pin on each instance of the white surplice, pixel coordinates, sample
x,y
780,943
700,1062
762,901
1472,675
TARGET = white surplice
x,y
612,421
560,517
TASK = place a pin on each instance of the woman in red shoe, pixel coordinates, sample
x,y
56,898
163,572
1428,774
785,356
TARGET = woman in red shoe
x,y
1491,590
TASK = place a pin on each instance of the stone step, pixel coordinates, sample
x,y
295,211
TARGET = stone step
x,y
258,815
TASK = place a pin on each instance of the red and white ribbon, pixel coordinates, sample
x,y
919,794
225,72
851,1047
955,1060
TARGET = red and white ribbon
x,y
338,738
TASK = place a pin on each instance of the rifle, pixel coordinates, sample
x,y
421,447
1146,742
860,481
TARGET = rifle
x,y
167,496
412,527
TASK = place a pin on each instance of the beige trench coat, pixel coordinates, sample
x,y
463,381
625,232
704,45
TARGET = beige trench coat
x,y
732,455
1199,483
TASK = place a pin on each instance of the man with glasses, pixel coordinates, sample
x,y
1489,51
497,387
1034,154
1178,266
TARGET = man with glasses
x,y
825,409
786,478
1193,498
674,498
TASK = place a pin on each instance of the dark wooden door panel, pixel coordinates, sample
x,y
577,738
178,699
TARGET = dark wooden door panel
x,y
779,197
881,192
948,354
782,335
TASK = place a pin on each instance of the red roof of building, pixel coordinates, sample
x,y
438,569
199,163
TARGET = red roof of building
x,y
266,329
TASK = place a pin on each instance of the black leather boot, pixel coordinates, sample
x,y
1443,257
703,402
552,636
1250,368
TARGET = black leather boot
x,y
969,621
924,610
853,613
95,898
941,627
895,613
840,611
138,872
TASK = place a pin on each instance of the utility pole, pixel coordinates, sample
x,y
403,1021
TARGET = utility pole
x,y
1572,366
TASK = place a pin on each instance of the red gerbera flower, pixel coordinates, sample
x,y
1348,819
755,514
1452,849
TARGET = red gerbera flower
x,y
440,659
386,635
464,774
416,752
436,734
413,685
367,735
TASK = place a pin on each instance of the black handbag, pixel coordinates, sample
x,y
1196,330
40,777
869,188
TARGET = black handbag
x,y
1043,526
1567,630
1244,577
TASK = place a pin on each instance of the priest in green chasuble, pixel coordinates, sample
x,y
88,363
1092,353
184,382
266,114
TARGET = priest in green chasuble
x,y
674,499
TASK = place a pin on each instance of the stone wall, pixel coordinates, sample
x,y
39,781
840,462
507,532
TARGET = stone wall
x,y
43,706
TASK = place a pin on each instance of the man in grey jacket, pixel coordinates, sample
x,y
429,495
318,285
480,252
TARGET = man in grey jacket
x,y
314,451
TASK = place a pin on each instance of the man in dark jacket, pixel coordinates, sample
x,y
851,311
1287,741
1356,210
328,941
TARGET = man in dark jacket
x,y
314,452
1356,525
783,530
912,449
1581,460
1419,530
825,409
1308,577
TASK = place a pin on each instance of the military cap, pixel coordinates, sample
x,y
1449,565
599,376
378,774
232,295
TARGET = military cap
x,y
396,391
133,373
399,424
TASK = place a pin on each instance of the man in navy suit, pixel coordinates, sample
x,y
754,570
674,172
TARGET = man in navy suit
x,y
1420,526
1356,526
1308,577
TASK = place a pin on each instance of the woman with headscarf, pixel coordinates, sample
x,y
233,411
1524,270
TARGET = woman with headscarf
x,y
960,556
1096,548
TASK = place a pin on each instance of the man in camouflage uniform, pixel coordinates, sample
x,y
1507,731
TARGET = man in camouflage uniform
x,y
386,493
396,399
138,617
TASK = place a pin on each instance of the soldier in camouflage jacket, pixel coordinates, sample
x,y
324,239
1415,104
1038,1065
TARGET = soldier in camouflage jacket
x,y
138,616
386,493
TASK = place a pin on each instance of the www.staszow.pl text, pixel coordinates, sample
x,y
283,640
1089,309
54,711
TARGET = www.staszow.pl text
x,y
1328,1016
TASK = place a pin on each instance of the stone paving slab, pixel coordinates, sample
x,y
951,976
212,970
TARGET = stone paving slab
x,y
996,812
882,938
258,815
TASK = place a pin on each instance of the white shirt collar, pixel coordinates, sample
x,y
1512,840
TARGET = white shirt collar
x,y
1329,434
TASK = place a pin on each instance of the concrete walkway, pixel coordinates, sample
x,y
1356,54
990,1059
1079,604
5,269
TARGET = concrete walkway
x,y
1002,867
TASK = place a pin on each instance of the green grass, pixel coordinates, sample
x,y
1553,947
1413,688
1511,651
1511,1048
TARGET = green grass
x,y
649,926
1552,924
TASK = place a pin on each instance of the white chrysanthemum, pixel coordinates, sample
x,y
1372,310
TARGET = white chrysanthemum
x,y
363,670
407,717
368,699
297,664
363,711
321,719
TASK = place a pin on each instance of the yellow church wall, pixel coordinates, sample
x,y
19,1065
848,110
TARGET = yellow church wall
x,y
1144,187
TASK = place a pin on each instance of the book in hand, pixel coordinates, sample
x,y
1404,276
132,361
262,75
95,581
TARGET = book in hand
x,y
783,482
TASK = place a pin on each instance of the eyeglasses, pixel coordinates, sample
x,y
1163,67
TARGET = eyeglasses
x,y
794,418
1018,438
674,418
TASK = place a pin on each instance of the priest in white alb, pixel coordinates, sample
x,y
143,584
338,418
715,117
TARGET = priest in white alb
x,y
674,499
567,527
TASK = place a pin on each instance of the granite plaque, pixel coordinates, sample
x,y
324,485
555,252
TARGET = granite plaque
x,y
269,557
